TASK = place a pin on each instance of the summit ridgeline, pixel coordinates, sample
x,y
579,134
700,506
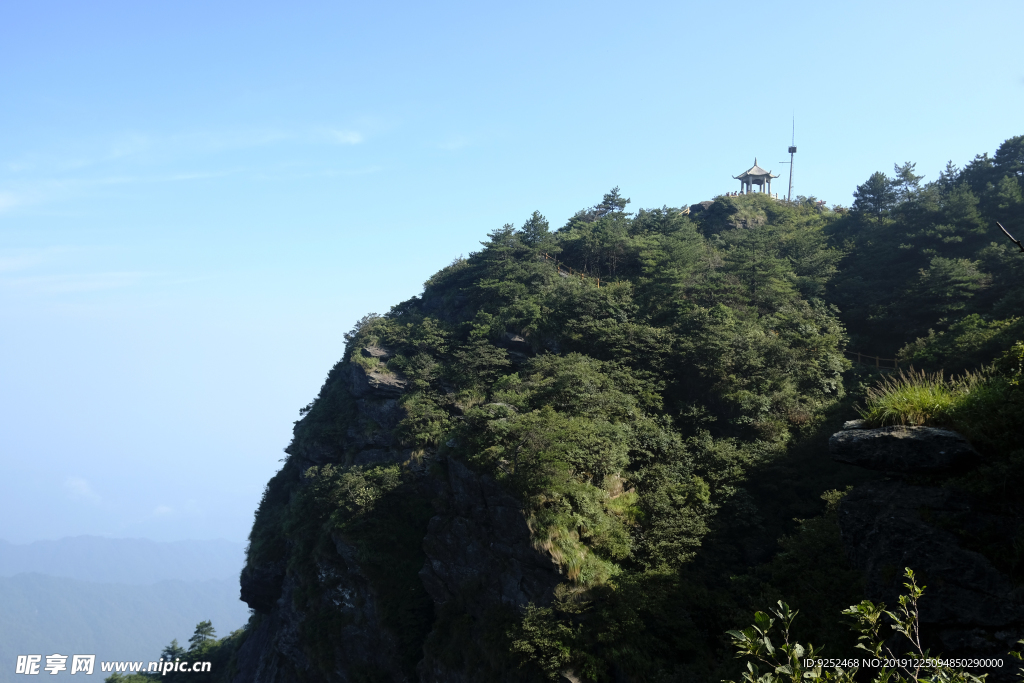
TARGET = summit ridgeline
x,y
524,475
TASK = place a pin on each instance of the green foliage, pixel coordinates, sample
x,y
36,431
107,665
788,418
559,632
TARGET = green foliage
x,y
542,639
923,257
971,342
916,664
662,429
203,647
876,196
916,398
792,661
785,659
173,650
204,632
986,407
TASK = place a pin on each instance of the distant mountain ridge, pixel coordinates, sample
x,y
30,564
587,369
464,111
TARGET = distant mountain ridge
x,y
133,561
45,615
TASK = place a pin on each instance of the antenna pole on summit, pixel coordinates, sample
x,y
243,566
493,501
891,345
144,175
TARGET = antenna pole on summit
x,y
792,151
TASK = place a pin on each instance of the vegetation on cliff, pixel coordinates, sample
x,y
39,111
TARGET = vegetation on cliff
x,y
655,390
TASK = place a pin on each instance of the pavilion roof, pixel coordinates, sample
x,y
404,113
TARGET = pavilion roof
x,y
755,171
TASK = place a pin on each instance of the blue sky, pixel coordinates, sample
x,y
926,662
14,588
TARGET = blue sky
x,y
198,199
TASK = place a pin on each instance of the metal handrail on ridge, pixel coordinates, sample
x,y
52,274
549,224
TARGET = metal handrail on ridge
x,y
864,359
570,272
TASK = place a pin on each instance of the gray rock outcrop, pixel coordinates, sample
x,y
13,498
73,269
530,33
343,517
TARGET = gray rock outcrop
x,y
482,544
261,586
276,649
377,352
376,382
970,608
889,525
902,449
477,547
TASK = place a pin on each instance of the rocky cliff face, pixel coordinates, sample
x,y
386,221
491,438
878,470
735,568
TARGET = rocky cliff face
x,y
482,543
331,623
970,608
451,548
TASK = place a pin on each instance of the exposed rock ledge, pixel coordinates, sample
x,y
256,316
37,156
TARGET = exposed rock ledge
x,y
901,449
375,383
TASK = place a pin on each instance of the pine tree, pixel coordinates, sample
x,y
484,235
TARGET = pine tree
x,y
876,196
535,230
204,632
906,184
173,650
612,202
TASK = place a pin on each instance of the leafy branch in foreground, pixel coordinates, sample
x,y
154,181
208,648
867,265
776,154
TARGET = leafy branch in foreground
x,y
787,661
791,661
1019,655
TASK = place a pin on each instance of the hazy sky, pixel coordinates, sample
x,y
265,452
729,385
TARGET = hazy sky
x,y
198,199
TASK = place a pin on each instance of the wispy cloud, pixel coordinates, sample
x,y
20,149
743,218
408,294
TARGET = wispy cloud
x,y
122,147
80,489
19,259
71,171
8,200
162,510
346,137
14,261
66,283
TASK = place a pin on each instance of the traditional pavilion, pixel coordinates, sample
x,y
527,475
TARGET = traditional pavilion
x,y
755,175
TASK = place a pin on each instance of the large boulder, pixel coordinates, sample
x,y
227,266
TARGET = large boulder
x,y
902,449
889,525
700,207
377,352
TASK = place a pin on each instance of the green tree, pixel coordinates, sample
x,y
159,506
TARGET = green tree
x,y
204,632
612,202
1009,159
535,232
905,183
173,650
949,176
875,197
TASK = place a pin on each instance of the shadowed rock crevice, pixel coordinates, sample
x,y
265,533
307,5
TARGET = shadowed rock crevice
x,y
970,608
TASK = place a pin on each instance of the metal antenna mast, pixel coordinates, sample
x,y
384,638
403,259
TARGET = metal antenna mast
x,y
792,151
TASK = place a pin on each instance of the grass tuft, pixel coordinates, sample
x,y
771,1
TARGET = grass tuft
x,y
917,398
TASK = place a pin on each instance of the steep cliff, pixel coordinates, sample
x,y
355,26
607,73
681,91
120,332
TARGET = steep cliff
x,y
507,477
358,606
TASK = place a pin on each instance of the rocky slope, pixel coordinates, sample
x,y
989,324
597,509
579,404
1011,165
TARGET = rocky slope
x,y
476,552
970,608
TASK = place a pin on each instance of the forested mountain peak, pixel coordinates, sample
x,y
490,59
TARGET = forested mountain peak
x,y
579,452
